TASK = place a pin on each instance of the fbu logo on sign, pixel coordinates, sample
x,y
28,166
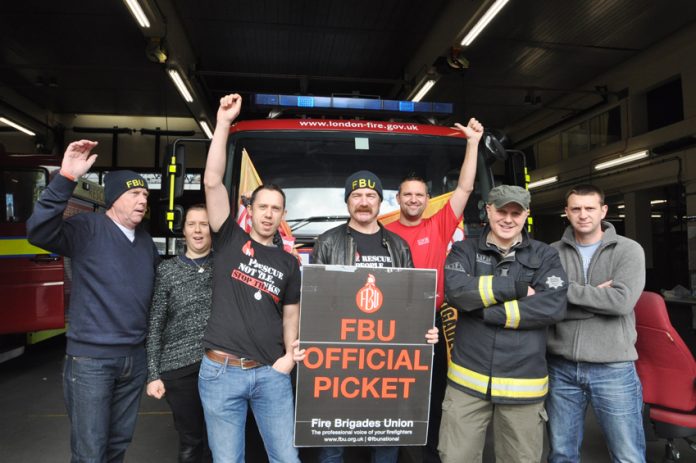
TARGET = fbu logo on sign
x,y
369,299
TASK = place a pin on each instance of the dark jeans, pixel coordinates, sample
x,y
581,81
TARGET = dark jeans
x,y
102,396
437,395
379,454
189,421
616,396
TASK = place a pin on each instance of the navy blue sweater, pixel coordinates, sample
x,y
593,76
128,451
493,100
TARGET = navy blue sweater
x,y
112,278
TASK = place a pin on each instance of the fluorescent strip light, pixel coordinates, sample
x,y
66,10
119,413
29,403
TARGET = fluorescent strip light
x,y
658,201
138,13
621,206
622,216
563,216
656,216
424,90
483,22
542,182
179,82
206,128
622,160
17,126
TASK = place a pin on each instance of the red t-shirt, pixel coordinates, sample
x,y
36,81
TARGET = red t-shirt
x,y
429,241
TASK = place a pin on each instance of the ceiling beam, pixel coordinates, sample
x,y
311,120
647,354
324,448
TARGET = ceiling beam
x,y
166,25
456,18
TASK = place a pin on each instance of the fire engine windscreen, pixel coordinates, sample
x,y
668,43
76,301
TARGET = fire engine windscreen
x,y
312,168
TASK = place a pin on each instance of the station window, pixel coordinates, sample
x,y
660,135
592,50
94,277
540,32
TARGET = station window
x,y
20,189
600,130
665,104
576,140
605,128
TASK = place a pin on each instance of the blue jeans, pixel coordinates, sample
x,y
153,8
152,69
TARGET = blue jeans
x,y
616,396
387,454
102,396
226,393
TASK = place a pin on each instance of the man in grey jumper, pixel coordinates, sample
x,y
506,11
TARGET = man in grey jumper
x,y
592,351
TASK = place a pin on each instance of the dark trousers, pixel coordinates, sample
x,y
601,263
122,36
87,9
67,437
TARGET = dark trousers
x,y
182,397
102,396
437,394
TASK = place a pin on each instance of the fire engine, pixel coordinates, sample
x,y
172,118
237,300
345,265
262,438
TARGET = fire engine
x,y
310,158
34,283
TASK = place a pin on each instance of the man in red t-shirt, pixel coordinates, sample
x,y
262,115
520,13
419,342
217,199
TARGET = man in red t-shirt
x,y
429,239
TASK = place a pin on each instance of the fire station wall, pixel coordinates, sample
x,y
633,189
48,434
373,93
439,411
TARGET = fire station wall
x,y
669,59
666,60
134,150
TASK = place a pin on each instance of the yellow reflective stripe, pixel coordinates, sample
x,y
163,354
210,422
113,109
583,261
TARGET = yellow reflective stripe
x,y
519,388
468,378
18,247
516,388
512,314
486,290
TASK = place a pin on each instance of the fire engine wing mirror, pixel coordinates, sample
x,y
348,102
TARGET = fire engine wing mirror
x,y
173,175
493,150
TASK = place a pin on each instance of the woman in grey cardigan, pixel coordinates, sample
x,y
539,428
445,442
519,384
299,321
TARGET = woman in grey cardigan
x,y
178,317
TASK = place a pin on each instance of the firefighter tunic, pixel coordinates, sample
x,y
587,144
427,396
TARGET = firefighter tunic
x,y
499,352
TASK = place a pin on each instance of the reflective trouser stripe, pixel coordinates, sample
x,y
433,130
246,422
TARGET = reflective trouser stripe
x,y
512,314
515,388
486,290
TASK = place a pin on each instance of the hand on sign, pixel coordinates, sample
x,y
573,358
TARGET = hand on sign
x,y
298,354
432,335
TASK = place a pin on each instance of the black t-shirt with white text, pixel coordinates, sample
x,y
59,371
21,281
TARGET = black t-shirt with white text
x,y
371,251
251,284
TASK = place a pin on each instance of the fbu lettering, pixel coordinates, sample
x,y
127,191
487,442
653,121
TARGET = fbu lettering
x,y
363,183
136,182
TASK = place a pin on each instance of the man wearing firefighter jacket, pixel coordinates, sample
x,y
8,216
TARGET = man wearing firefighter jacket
x,y
508,289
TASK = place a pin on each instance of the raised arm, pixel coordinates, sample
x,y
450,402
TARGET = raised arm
x,y
467,173
46,227
217,199
78,158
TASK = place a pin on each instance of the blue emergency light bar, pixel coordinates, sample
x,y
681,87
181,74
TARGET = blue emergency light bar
x,y
362,104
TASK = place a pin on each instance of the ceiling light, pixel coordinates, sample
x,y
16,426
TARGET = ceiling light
x,y
622,160
17,126
656,216
658,201
424,89
138,13
621,206
542,182
483,22
179,82
206,128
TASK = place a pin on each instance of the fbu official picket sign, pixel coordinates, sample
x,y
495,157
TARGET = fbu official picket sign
x,y
367,372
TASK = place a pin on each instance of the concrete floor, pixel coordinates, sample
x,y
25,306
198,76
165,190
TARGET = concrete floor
x,y
34,426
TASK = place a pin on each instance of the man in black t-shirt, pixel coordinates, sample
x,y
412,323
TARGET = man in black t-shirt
x,y
363,242
254,317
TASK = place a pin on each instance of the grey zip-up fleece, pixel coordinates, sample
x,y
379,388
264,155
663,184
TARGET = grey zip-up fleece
x,y
600,324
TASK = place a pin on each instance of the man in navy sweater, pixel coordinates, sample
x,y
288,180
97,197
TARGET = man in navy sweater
x,y
113,267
